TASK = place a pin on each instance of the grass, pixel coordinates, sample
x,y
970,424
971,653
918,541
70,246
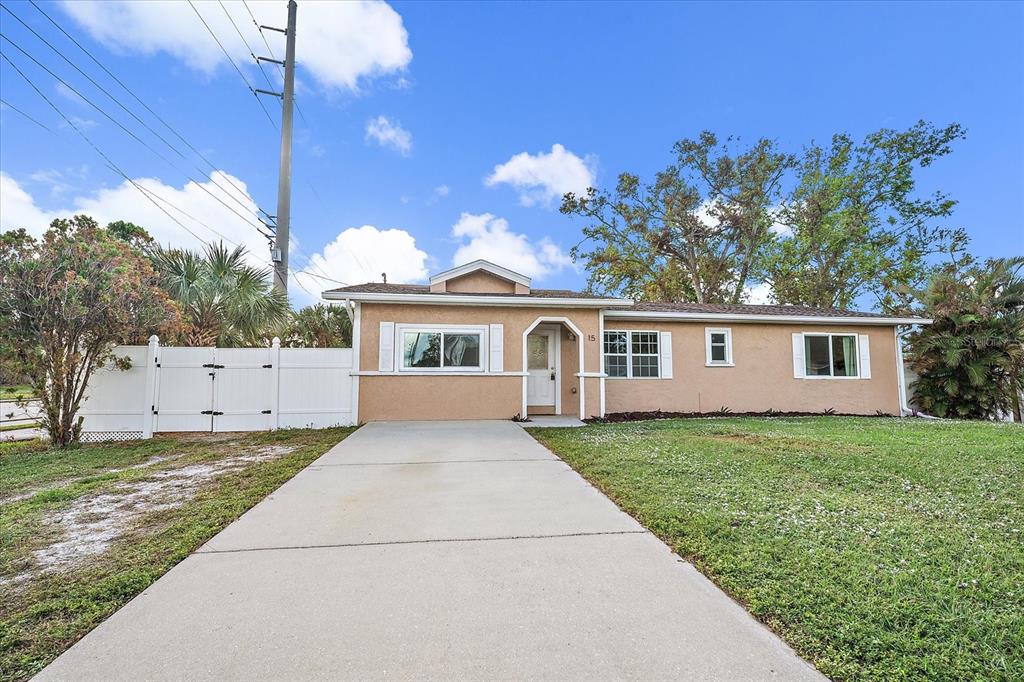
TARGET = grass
x,y
16,392
48,604
880,549
18,426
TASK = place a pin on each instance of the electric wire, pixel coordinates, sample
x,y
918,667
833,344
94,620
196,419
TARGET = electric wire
x,y
14,108
130,133
138,99
230,59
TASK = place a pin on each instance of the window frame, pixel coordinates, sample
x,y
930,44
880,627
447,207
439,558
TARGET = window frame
x,y
629,353
831,358
708,360
454,329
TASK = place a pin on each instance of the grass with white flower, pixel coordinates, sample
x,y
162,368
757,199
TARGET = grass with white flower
x,y
878,548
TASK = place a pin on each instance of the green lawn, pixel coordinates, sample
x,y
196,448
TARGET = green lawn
x,y
19,426
16,392
878,548
83,531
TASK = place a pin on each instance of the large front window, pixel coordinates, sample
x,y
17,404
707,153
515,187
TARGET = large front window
x,y
830,355
440,350
631,354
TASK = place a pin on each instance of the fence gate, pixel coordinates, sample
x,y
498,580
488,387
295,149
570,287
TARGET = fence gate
x,y
184,389
172,388
242,389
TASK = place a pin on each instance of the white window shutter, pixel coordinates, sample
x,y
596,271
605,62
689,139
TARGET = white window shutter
x,y
798,356
497,341
386,361
865,356
665,346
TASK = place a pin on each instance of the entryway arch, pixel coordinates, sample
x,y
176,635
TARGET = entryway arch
x,y
579,345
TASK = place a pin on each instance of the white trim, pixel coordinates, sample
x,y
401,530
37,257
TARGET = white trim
x,y
829,335
629,351
901,377
442,373
482,350
591,375
708,361
750,317
600,356
480,264
579,343
476,299
357,315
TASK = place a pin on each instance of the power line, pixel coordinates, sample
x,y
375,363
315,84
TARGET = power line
x,y
150,195
226,54
137,98
14,108
132,134
246,43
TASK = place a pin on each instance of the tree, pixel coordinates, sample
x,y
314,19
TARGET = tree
x,y
224,301
970,361
855,224
132,234
696,233
66,301
318,326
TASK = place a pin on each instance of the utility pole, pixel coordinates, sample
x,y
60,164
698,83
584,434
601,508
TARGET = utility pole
x,y
279,250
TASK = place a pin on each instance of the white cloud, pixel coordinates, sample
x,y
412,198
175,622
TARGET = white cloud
x,y
360,254
542,178
125,202
442,190
341,44
388,133
759,295
485,236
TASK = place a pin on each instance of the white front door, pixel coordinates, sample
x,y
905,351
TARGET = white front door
x,y
541,366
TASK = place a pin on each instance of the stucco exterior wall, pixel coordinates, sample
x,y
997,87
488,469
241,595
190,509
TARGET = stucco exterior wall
x,y
480,283
762,377
397,396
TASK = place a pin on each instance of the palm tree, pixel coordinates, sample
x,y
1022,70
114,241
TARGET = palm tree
x,y
970,361
318,326
224,301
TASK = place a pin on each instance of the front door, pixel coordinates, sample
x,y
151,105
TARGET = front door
x,y
542,368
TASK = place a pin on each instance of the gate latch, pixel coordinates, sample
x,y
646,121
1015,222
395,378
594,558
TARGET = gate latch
x,y
265,412
206,412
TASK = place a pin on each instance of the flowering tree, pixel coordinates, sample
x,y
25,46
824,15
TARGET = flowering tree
x,y
65,301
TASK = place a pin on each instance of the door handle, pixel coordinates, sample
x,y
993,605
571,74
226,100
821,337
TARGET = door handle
x,y
552,376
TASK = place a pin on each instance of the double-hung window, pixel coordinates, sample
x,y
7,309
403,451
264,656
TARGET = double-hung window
x,y
718,347
430,349
631,354
830,355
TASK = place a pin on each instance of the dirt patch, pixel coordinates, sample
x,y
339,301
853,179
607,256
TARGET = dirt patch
x,y
91,523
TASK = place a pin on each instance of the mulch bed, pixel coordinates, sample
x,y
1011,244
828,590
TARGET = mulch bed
x,y
616,417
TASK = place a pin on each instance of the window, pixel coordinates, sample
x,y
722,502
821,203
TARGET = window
x,y
631,354
830,355
718,347
429,349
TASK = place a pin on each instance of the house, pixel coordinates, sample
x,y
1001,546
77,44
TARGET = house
x,y
479,342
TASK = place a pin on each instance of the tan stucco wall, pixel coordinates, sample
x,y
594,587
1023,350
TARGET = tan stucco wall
x,y
404,397
480,282
763,375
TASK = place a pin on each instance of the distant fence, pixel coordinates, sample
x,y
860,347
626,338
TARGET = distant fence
x,y
218,389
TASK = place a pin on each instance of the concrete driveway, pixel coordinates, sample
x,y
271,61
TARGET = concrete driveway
x,y
432,551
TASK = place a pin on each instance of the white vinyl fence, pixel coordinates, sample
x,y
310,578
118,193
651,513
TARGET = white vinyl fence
x,y
218,389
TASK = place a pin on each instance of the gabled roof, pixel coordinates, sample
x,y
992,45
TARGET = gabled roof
x,y
421,293
754,313
481,264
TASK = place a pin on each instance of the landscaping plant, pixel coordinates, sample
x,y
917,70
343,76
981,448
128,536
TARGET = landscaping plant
x,y
65,301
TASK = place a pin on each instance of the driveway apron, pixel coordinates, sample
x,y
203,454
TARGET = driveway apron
x,y
432,550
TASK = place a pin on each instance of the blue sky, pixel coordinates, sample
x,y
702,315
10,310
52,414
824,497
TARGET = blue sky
x,y
435,132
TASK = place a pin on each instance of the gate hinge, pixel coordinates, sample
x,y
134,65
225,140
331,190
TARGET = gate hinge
x,y
216,413
206,412
266,412
209,364
217,366
268,366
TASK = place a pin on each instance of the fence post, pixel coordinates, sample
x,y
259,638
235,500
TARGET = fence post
x,y
150,394
275,382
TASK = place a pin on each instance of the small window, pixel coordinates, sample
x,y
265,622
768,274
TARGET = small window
x,y
830,355
718,343
440,350
631,354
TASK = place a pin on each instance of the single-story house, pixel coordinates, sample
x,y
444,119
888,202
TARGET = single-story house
x,y
479,342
